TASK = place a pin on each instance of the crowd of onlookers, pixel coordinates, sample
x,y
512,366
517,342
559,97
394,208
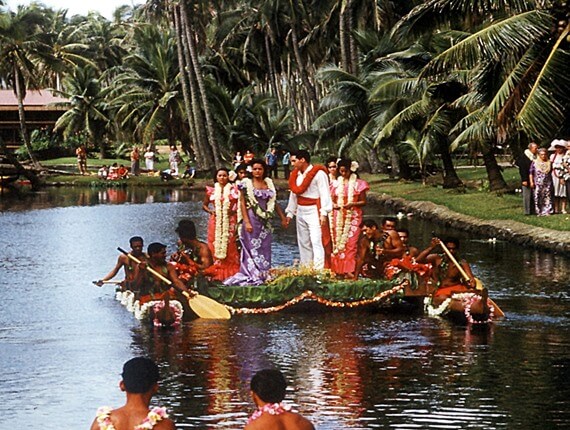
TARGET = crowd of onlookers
x,y
545,178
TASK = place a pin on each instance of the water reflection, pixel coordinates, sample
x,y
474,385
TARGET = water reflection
x,y
63,341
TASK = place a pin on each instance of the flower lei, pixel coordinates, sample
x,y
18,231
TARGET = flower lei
x,y
264,215
222,208
310,175
155,415
468,299
342,228
543,166
271,409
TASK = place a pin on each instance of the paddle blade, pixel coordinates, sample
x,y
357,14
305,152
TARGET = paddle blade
x,y
208,308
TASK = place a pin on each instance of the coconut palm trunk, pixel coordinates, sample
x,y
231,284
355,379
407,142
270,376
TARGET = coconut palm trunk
x,y
494,174
190,38
22,118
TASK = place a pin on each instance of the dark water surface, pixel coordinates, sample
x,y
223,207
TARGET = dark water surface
x,y
63,341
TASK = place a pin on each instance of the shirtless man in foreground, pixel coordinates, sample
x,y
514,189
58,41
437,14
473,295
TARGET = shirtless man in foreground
x,y
268,391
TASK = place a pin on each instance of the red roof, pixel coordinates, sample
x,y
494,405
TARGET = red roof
x,y
38,99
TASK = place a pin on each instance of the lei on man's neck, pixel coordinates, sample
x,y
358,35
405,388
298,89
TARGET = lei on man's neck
x,y
309,176
271,409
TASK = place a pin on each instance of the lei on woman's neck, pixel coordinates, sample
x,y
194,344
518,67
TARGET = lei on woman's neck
x,y
222,208
300,189
271,409
341,229
251,202
543,166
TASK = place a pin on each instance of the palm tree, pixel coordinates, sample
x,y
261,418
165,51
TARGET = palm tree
x,y
87,108
145,93
524,43
21,50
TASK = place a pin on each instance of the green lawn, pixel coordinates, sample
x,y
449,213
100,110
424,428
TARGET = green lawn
x,y
474,199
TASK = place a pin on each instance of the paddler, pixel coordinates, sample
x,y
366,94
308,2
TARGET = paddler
x,y
446,273
310,201
193,256
123,261
148,286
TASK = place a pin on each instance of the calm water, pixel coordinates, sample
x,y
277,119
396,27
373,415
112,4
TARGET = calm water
x,y
63,341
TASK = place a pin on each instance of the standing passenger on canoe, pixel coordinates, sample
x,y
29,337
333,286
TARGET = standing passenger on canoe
x,y
258,204
193,256
310,200
222,226
136,243
349,196
148,286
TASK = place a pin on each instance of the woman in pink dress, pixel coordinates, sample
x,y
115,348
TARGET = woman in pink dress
x,y
221,202
349,196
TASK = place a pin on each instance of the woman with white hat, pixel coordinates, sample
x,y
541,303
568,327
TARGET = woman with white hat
x,y
558,183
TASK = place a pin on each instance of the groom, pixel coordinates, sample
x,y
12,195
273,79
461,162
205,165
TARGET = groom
x,y
310,200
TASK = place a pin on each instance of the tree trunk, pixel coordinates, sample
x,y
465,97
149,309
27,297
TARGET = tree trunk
x,y
201,88
450,178
205,154
30,174
309,90
344,45
22,116
194,143
272,74
494,173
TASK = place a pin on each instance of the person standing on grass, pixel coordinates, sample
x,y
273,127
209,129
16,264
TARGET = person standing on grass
x,y
523,163
540,179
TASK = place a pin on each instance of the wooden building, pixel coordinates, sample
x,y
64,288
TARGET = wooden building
x,y
40,109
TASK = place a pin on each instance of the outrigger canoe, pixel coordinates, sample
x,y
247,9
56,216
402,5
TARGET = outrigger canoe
x,y
309,292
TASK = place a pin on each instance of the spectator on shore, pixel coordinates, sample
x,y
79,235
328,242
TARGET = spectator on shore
x,y
81,153
135,161
523,163
268,391
286,161
140,383
103,172
271,162
556,159
248,157
540,178
149,160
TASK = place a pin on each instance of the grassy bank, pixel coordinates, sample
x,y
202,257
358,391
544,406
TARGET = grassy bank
x,y
474,200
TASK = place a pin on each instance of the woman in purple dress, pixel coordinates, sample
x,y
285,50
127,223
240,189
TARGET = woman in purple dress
x,y
258,205
541,182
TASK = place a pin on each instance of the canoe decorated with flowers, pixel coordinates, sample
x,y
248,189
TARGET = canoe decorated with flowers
x,y
303,289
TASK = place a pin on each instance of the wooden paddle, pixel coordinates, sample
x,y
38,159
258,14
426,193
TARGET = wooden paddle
x,y
107,282
478,284
203,306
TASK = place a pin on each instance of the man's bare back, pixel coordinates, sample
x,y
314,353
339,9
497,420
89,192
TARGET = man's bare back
x,y
284,421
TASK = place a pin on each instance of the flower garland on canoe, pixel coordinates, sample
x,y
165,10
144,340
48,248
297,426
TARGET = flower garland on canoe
x,y
264,215
222,210
341,229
